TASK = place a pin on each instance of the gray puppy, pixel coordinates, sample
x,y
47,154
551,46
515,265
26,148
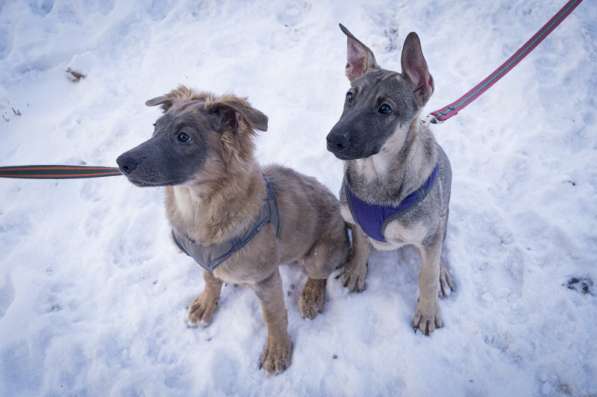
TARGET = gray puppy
x,y
397,179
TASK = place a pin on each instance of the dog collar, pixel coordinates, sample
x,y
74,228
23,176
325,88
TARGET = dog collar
x,y
211,256
373,218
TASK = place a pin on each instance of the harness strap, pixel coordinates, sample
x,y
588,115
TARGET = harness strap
x,y
373,218
210,257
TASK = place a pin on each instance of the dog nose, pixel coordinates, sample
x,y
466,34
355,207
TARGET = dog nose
x,y
337,142
126,164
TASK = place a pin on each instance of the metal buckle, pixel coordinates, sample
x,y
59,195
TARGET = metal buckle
x,y
430,119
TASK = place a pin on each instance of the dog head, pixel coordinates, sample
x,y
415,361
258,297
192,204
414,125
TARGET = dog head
x,y
198,135
379,103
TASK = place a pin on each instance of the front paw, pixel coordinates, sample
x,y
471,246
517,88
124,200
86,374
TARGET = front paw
x,y
202,310
276,355
312,299
427,317
353,277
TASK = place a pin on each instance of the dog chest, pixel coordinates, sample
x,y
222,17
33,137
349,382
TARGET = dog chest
x,y
374,219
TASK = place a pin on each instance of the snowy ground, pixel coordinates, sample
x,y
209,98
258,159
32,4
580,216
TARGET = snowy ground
x,y
93,294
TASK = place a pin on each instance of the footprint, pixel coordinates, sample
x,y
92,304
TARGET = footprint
x,y
225,369
131,244
552,384
392,36
387,22
177,378
91,190
504,342
7,294
41,7
158,9
582,285
13,228
292,14
104,7
5,43
20,371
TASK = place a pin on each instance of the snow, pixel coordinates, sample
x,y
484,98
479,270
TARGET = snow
x,y
93,293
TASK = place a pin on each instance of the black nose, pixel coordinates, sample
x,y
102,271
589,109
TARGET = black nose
x,y
126,164
337,143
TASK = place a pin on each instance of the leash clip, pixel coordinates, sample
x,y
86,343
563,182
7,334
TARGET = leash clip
x,y
430,119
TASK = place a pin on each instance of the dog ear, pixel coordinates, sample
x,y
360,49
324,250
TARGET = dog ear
x,y
414,67
165,101
180,93
231,110
359,58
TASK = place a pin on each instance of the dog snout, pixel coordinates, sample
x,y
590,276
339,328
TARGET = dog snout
x,y
127,164
337,143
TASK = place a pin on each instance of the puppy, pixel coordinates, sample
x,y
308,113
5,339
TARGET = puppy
x,y
237,220
397,179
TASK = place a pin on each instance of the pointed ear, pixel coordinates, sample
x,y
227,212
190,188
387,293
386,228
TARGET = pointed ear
x,y
231,110
414,67
165,101
359,58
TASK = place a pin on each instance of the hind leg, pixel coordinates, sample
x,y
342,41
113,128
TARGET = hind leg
x,y
312,298
446,281
355,271
321,261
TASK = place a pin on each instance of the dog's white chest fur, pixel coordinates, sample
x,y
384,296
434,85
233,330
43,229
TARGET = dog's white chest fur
x,y
397,235
184,203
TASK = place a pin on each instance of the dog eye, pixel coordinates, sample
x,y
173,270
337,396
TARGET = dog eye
x,y
349,97
183,137
385,109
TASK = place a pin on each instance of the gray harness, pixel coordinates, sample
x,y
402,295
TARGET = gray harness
x,y
211,256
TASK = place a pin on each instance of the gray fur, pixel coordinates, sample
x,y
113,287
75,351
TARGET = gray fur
x,y
389,155
163,160
362,130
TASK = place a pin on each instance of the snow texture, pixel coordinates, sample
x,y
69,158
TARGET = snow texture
x,y
93,292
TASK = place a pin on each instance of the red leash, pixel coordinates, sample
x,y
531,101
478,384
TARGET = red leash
x,y
453,108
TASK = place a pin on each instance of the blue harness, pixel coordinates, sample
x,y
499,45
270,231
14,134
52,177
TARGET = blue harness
x,y
373,218
211,256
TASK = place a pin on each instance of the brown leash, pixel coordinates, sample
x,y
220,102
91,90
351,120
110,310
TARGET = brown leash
x,y
57,172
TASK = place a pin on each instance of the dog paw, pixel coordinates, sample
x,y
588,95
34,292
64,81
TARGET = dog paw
x,y
353,278
276,355
202,310
312,299
446,283
427,318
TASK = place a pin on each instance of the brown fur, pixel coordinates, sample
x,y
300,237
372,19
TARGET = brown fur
x,y
224,198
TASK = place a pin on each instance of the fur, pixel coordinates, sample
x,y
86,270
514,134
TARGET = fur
x,y
389,154
222,197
